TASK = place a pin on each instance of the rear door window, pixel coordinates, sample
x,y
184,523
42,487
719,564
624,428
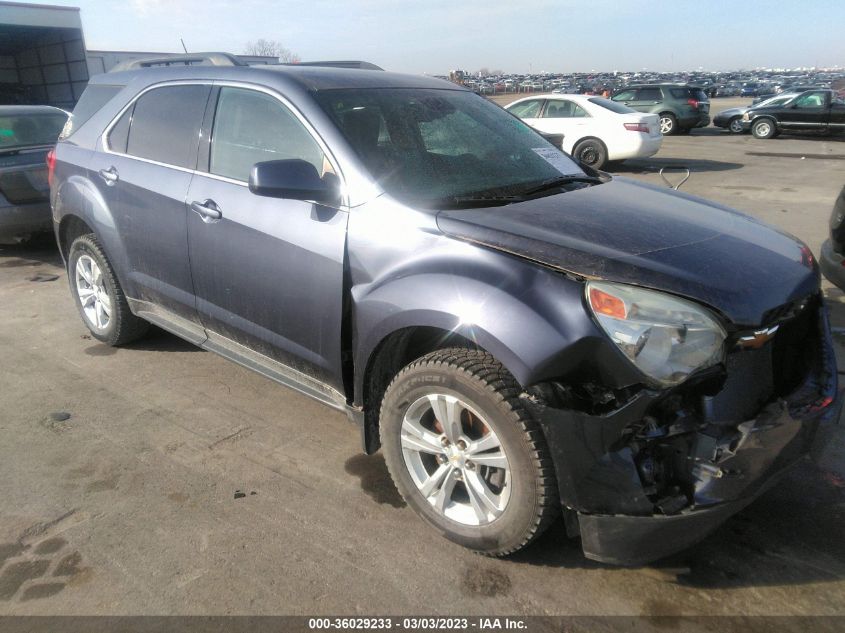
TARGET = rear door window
x,y
649,94
166,124
563,109
252,127
558,109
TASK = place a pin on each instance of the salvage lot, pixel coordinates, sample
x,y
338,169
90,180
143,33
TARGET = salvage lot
x,y
182,483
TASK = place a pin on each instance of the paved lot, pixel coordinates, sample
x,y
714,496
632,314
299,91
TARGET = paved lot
x,y
128,506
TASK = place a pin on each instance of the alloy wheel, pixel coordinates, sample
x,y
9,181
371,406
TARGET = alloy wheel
x,y
455,460
92,292
666,125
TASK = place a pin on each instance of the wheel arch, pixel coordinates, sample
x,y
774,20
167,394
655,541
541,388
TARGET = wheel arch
x,y
79,206
589,137
401,347
765,117
71,226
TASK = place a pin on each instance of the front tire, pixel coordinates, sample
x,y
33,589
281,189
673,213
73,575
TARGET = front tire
x,y
764,128
591,152
465,454
735,125
98,295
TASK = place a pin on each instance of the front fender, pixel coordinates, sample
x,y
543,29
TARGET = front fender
x,y
531,318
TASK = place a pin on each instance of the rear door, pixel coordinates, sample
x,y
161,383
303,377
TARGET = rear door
x,y
268,272
144,173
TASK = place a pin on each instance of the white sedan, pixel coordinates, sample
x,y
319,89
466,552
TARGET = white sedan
x,y
595,130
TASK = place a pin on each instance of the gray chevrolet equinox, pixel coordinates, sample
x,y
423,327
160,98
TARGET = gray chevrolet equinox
x,y
522,336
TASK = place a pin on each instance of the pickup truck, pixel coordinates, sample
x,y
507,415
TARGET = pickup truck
x,y
810,111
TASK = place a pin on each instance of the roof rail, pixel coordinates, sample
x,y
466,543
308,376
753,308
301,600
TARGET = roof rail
x,y
340,64
189,59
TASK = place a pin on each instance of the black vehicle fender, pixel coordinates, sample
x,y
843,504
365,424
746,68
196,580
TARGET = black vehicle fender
x,y
766,115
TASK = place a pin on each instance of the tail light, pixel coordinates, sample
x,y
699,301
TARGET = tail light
x,y
636,127
692,102
51,166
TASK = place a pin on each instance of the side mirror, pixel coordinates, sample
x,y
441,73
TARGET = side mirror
x,y
293,179
554,139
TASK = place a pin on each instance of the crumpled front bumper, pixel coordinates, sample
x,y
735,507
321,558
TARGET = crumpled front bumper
x,y
725,466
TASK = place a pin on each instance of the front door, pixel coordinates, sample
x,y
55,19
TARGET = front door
x,y
809,111
268,272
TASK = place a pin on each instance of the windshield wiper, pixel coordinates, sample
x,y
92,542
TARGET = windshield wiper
x,y
559,181
488,201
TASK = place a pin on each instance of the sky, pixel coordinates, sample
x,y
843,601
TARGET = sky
x,y
435,36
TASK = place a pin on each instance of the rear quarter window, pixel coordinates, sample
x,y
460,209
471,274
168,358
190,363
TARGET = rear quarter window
x,y
94,98
119,134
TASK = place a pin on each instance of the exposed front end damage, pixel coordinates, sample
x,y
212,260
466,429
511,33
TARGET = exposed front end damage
x,y
651,472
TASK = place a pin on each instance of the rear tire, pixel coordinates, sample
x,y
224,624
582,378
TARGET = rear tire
x,y
98,295
497,491
591,152
764,128
668,124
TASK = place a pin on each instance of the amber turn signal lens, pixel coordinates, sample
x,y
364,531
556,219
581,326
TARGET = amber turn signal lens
x,y
604,303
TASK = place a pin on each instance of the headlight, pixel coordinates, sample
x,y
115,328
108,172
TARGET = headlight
x,y
746,117
665,337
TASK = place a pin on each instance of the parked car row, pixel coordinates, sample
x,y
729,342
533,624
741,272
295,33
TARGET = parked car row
x,y
758,83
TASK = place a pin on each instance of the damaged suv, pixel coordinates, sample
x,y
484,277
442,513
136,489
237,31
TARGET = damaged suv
x,y
522,336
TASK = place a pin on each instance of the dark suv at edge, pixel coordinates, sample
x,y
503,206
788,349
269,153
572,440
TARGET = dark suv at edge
x,y
681,107
513,330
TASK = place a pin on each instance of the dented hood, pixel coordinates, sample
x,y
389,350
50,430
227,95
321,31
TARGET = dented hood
x,y
631,232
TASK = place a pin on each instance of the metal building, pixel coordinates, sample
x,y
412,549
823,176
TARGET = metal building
x,y
42,55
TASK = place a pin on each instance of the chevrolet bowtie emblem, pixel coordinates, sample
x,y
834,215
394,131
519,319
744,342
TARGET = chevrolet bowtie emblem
x,y
757,339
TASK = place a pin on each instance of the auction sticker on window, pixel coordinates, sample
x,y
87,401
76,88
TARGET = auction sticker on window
x,y
555,158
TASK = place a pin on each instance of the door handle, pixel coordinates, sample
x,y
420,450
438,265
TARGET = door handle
x,y
207,210
110,175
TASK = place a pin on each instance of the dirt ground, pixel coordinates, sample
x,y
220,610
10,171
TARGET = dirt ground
x,y
123,470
